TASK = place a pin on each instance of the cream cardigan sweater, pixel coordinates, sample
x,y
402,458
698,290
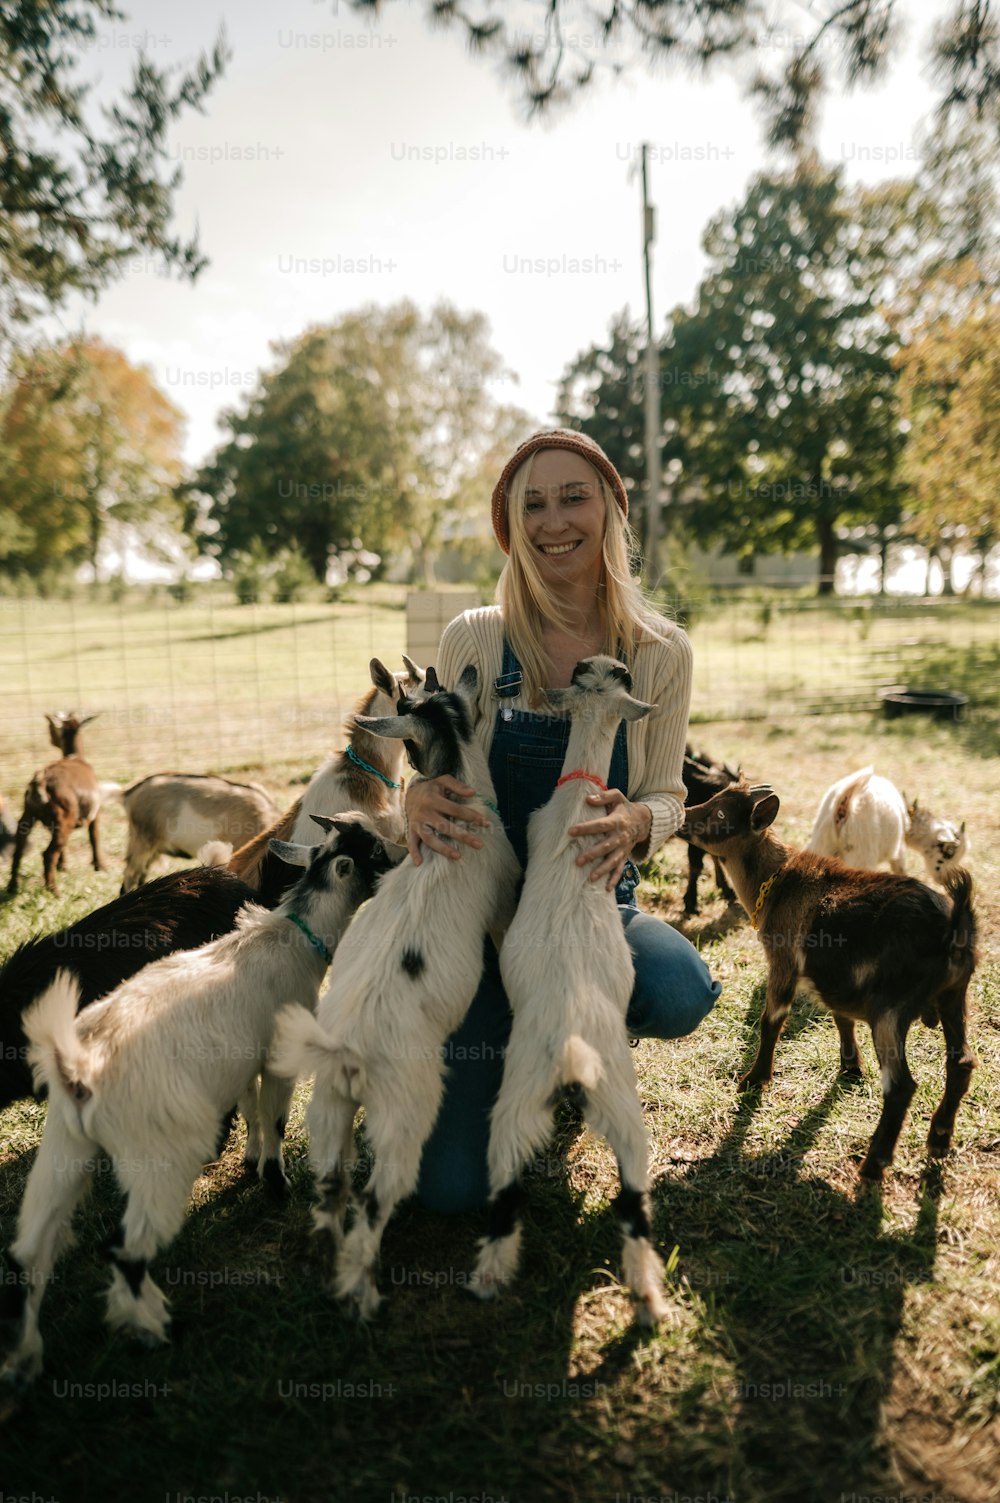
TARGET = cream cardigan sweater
x,y
661,674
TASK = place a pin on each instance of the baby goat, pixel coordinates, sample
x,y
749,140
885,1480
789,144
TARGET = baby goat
x,y
702,778
401,983
365,776
177,912
568,973
879,948
861,820
64,796
176,813
149,1074
941,842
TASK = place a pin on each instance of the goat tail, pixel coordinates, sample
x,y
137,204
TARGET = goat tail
x,y
580,1064
215,853
300,1046
56,1054
111,790
962,935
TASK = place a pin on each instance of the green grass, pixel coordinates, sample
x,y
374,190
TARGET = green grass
x,y
823,1340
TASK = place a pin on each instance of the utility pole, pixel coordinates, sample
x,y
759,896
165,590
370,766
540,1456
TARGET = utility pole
x,y
652,542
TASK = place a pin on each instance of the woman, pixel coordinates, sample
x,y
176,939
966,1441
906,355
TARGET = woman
x,y
566,593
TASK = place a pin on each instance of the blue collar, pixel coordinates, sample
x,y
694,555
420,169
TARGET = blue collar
x,y
313,939
359,762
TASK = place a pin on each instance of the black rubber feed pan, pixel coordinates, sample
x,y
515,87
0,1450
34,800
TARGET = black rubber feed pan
x,y
943,704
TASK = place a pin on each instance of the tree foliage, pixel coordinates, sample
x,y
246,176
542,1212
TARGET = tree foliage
x,y
88,445
789,53
81,189
366,428
780,425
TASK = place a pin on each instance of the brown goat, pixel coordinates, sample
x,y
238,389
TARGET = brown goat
x,y
878,948
63,796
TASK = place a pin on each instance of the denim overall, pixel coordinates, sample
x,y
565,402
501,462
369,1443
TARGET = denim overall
x,y
673,989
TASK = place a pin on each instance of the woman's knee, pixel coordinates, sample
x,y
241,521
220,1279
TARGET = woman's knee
x,y
674,990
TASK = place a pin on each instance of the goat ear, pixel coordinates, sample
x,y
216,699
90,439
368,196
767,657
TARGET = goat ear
x,y
398,727
415,672
382,678
763,813
87,719
295,855
343,866
635,709
470,678
431,680
961,828
325,822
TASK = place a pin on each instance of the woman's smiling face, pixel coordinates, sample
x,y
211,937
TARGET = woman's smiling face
x,y
564,518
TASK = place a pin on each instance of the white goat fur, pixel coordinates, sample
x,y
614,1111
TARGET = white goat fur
x,y
176,813
149,1073
400,985
941,842
862,820
568,973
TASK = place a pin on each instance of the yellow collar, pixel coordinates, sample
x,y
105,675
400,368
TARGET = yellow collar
x,y
765,888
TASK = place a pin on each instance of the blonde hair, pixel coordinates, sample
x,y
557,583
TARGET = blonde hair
x,y
525,602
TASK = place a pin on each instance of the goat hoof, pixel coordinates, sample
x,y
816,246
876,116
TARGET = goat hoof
x,y
851,1074
274,1180
939,1145
872,1171
748,1083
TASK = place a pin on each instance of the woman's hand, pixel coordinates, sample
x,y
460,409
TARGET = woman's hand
x,y
615,835
437,821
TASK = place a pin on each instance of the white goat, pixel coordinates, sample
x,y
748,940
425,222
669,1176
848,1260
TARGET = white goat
x,y
568,973
862,820
941,842
401,983
174,814
148,1075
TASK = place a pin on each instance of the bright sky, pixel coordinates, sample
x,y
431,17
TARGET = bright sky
x,y
339,163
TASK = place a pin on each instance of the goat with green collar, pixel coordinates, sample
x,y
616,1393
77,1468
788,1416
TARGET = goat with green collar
x,y
149,1075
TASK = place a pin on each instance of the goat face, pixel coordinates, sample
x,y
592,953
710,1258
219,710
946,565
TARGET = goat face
x,y
353,848
738,813
433,727
604,682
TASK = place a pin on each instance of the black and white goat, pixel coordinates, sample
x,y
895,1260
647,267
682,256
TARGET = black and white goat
x,y
568,973
401,983
151,1073
180,911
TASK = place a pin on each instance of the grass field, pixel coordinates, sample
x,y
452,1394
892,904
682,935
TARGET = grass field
x,y
825,1343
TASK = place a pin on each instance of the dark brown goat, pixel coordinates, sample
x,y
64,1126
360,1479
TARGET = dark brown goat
x,y
879,948
702,778
180,911
64,796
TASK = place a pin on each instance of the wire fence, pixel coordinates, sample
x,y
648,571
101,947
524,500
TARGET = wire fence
x,y
209,686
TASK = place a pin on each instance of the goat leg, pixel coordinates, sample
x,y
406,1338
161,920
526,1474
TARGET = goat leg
x,y
850,1059
780,995
960,1061
95,848
696,860
889,1035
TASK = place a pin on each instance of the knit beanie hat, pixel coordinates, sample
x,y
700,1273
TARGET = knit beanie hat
x,y
553,438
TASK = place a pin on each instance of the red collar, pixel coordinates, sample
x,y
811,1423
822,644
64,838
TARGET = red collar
x,y
579,773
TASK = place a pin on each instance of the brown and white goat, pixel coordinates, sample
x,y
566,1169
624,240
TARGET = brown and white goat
x,y
878,947
63,796
365,776
176,813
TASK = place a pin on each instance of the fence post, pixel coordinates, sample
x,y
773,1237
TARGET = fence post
x,y
427,614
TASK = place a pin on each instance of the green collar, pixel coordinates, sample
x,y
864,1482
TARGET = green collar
x,y
313,939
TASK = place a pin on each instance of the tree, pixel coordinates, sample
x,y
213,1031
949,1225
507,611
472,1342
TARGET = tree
x,y
365,429
77,198
88,445
950,395
777,389
551,50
